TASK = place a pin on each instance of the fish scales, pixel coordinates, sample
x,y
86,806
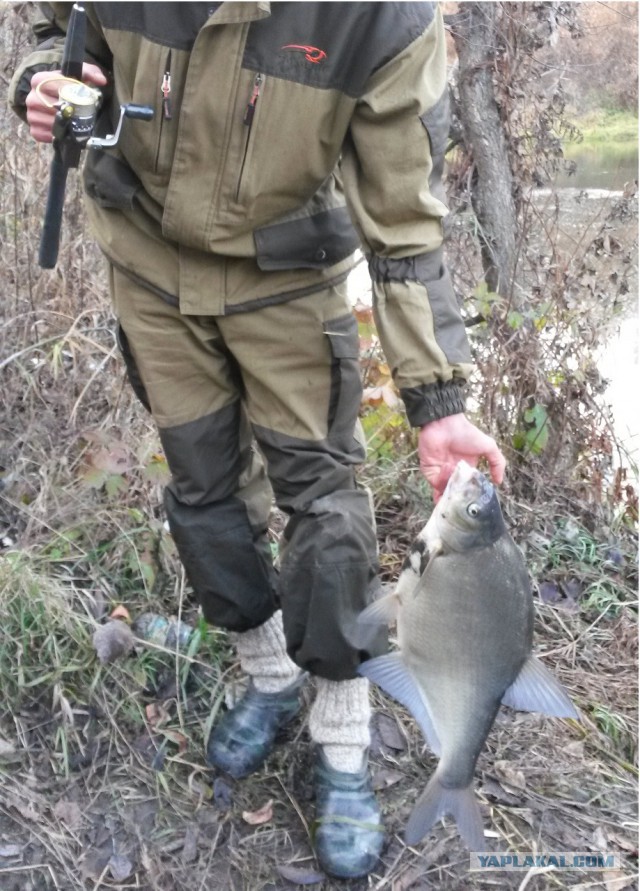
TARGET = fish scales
x,y
466,633
464,612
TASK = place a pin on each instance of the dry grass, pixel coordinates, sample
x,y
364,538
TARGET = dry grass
x,y
102,778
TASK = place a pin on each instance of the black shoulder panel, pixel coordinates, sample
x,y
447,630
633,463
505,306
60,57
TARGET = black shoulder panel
x,y
170,24
333,45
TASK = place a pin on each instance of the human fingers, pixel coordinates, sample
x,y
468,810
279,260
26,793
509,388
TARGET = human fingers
x,y
43,97
93,75
40,102
496,461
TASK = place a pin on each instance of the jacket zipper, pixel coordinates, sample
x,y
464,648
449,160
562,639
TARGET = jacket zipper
x,y
249,114
165,89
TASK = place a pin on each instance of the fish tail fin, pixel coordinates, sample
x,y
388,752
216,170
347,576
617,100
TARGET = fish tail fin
x,y
438,800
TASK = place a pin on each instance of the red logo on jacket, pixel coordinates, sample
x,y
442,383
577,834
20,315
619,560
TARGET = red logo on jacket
x,y
311,53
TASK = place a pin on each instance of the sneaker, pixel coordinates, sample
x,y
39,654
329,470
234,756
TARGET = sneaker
x,y
244,737
349,835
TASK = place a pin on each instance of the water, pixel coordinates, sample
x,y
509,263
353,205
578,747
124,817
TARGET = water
x,y
600,165
619,364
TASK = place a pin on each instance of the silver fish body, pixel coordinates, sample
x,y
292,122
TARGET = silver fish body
x,y
464,612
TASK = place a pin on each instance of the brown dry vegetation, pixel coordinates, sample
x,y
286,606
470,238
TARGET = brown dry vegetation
x,y
103,783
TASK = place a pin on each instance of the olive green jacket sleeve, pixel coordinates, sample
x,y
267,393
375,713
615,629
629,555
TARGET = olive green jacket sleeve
x,y
392,168
49,30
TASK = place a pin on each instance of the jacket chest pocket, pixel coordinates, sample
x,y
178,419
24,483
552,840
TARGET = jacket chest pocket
x,y
151,77
250,126
164,103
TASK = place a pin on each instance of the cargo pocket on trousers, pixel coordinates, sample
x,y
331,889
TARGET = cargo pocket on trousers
x,y
132,369
346,386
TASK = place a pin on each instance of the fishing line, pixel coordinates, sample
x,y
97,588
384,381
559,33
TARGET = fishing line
x,y
48,80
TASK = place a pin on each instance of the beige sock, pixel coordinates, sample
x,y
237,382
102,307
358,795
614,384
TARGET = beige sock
x,y
263,656
339,722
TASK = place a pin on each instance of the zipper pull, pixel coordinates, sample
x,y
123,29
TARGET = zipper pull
x,y
250,110
165,89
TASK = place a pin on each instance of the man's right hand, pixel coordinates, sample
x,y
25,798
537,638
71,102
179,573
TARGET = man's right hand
x,y
39,116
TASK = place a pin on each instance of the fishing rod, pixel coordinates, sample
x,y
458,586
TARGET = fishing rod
x,y
74,123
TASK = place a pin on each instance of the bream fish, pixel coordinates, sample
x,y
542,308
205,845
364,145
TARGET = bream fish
x,y
464,612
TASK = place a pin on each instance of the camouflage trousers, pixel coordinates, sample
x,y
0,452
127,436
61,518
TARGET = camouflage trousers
x,y
250,407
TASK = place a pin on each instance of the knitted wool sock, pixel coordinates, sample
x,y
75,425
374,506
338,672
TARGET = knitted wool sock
x,y
263,656
339,722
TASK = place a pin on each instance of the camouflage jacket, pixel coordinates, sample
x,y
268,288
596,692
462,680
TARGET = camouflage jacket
x,y
285,136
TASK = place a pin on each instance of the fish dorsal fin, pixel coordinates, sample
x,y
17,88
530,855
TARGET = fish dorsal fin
x,y
536,690
390,673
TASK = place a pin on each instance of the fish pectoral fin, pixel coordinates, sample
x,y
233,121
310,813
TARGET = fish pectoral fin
x,y
381,612
391,673
536,690
437,801
423,551
437,550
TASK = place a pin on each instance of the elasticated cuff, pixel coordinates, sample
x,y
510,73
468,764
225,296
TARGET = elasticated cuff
x,y
431,402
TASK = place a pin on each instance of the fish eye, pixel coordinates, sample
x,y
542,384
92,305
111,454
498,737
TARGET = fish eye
x,y
473,509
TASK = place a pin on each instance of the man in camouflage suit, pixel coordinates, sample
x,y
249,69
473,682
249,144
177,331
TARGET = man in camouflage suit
x,y
285,136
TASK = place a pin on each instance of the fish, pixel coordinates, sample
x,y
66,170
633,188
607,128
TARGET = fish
x,y
464,610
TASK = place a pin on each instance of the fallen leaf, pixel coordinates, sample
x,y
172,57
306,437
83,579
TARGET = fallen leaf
x,y
112,640
627,843
175,737
300,876
95,478
391,398
190,847
120,867
599,839
372,396
121,612
390,734
496,791
263,815
68,812
508,774
115,460
93,862
549,592
363,312
156,714
383,777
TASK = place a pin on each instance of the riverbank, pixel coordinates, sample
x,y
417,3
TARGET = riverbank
x,y
607,125
606,155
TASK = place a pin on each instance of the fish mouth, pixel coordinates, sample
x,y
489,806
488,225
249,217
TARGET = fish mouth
x,y
468,482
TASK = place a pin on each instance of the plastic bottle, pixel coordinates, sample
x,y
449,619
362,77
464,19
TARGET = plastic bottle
x,y
163,631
